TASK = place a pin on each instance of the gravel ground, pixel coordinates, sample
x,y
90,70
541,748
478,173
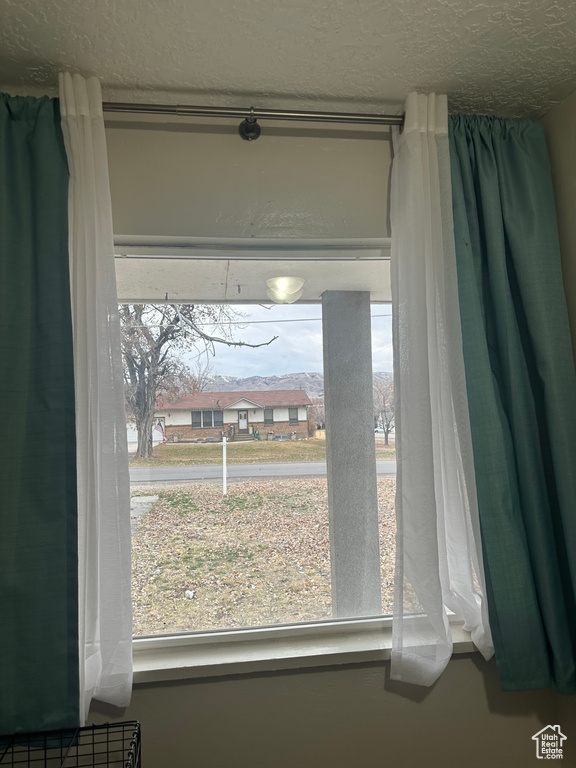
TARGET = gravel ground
x,y
258,556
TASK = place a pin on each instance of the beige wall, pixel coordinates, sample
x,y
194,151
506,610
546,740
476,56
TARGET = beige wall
x,y
203,180
560,125
295,182
342,717
298,183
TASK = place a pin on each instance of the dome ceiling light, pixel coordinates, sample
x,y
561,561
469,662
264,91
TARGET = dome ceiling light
x,y
284,290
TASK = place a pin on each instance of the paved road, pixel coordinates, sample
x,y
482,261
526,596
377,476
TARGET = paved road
x,y
214,471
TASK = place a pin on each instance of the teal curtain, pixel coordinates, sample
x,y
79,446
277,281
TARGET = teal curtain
x,y
522,394
38,534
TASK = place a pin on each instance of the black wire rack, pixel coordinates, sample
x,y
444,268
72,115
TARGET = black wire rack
x,y
117,745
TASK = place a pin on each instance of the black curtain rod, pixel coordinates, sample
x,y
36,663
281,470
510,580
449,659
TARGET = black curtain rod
x,y
251,114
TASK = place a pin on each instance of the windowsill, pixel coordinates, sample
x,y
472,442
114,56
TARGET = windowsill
x,y
266,649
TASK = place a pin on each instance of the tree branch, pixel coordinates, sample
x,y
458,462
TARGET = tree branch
x,y
217,339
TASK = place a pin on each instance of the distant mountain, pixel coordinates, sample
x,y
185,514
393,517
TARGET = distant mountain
x,y
311,383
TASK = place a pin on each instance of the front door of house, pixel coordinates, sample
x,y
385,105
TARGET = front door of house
x,y
242,421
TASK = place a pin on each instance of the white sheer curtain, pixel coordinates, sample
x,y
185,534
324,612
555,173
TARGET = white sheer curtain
x,y
438,550
105,611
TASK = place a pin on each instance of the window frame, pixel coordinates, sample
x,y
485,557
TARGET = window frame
x,y
272,648
283,646
291,419
269,421
201,425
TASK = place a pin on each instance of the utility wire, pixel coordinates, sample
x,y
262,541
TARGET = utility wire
x,y
288,320
253,322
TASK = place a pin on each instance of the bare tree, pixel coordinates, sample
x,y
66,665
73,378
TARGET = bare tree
x,y
317,412
384,406
153,337
202,373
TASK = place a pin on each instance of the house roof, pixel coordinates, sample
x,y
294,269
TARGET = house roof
x,y
215,400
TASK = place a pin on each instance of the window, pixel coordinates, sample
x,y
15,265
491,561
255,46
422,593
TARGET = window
x,y
242,550
207,419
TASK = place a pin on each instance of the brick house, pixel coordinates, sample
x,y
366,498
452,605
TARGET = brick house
x,y
236,414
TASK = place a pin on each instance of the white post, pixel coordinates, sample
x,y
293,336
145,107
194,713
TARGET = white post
x,y
224,470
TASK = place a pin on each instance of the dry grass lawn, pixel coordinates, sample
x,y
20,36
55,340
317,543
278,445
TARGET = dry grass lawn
x,y
262,452
258,556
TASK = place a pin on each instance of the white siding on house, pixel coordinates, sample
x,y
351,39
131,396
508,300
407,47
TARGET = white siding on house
x,y
230,416
179,417
243,405
281,413
254,414
132,436
175,417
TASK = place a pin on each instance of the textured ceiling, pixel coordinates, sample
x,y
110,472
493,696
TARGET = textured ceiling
x,y
491,56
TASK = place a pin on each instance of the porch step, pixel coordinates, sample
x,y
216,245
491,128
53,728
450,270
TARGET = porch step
x,y
243,438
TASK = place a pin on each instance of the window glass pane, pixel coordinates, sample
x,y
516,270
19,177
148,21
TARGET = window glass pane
x,y
260,554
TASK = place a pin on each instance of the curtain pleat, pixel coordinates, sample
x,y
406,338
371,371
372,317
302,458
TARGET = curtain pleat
x,y
104,538
438,553
38,506
522,394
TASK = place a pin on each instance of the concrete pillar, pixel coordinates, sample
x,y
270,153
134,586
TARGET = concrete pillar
x,y
351,454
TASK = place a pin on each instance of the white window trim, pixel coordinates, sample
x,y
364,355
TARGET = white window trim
x,y
287,646
268,649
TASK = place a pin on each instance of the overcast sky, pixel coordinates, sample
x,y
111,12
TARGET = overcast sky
x,y
298,348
